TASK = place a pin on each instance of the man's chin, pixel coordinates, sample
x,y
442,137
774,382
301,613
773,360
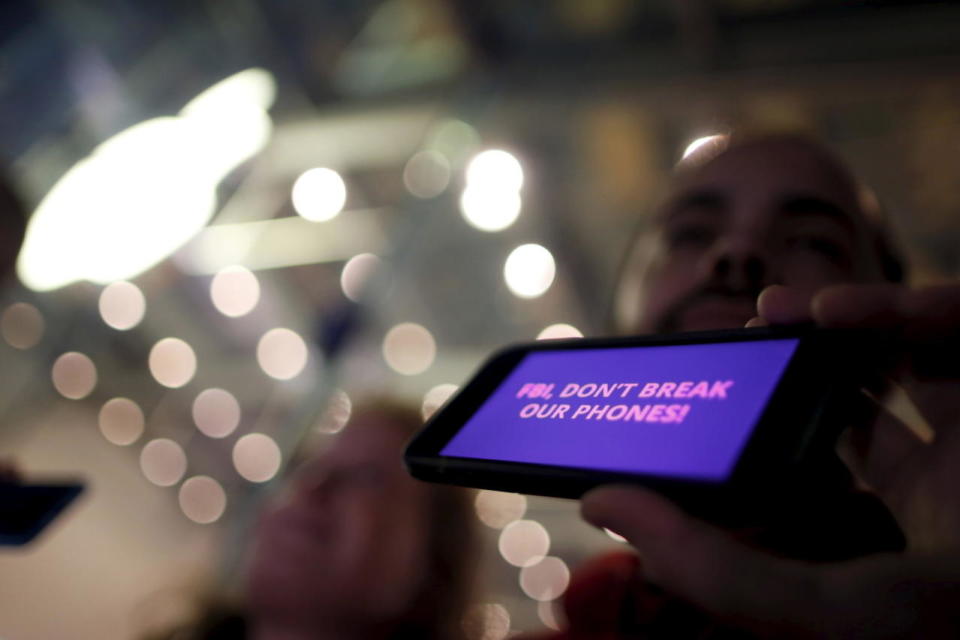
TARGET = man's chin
x,y
710,317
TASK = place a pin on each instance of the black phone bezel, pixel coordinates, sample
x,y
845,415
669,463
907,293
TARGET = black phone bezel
x,y
53,495
789,440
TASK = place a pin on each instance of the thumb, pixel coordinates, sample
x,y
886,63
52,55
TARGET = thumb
x,y
706,566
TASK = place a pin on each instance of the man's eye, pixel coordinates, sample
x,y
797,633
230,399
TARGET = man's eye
x,y
690,237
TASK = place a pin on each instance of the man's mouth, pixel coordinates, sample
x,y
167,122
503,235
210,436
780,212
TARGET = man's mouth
x,y
716,312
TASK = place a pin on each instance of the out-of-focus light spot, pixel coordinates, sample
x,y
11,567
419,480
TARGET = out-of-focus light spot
x,y
529,270
256,457
172,362
426,174
454,139
488,209
122,305
121,421
547,613
144,192
235,291
435,397
409,349
546,580
614,535
216,413
559,331
74,375
497,509
202,499
703,144
22,325
495,169
163,462
356,273
337,413
524,542
486,622
491,200
319,194
282,353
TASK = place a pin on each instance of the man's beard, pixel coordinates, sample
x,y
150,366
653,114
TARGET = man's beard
x,y
672,320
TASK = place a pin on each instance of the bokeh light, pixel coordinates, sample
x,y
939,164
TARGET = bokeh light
x,y
491,199
454,139
356,273
529,270
547,612
121,421
319,194
559,331
163,462
172,362
435,397
523,542
614,535
337,413
216,412
235,291
74,375
426,174
122,305
282,353
409,348
497,509
22,325
256,457
486,622
546,580
495,169
490,209
202,499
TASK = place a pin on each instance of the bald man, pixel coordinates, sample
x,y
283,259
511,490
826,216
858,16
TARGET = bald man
x,y
775,230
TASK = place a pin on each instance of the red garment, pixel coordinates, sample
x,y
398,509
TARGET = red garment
x,y
594,603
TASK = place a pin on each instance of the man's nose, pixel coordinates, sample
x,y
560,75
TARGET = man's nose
x,y
740,264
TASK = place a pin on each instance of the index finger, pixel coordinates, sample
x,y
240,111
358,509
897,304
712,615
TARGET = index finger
x,y
921,313
704,565
927,320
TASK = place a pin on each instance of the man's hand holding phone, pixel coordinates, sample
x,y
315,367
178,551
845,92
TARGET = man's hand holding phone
x,y
910,594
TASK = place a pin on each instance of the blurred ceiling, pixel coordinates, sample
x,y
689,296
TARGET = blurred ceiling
x,y
595,99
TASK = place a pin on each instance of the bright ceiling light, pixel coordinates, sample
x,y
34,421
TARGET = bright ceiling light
x,y
702,144
144,192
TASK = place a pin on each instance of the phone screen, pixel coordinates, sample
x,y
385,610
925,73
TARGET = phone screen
x,y
682,411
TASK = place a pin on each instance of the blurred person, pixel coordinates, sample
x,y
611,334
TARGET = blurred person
x,y
355,548
782,216
13,224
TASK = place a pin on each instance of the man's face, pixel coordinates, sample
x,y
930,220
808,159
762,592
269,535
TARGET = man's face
x,y
349,542
765,213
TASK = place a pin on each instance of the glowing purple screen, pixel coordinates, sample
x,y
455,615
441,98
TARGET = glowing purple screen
x,y
683,411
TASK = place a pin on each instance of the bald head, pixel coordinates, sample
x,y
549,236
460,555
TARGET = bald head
x,y
771,210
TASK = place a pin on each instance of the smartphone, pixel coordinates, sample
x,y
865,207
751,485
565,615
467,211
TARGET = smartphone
x,y
720,421
26,509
